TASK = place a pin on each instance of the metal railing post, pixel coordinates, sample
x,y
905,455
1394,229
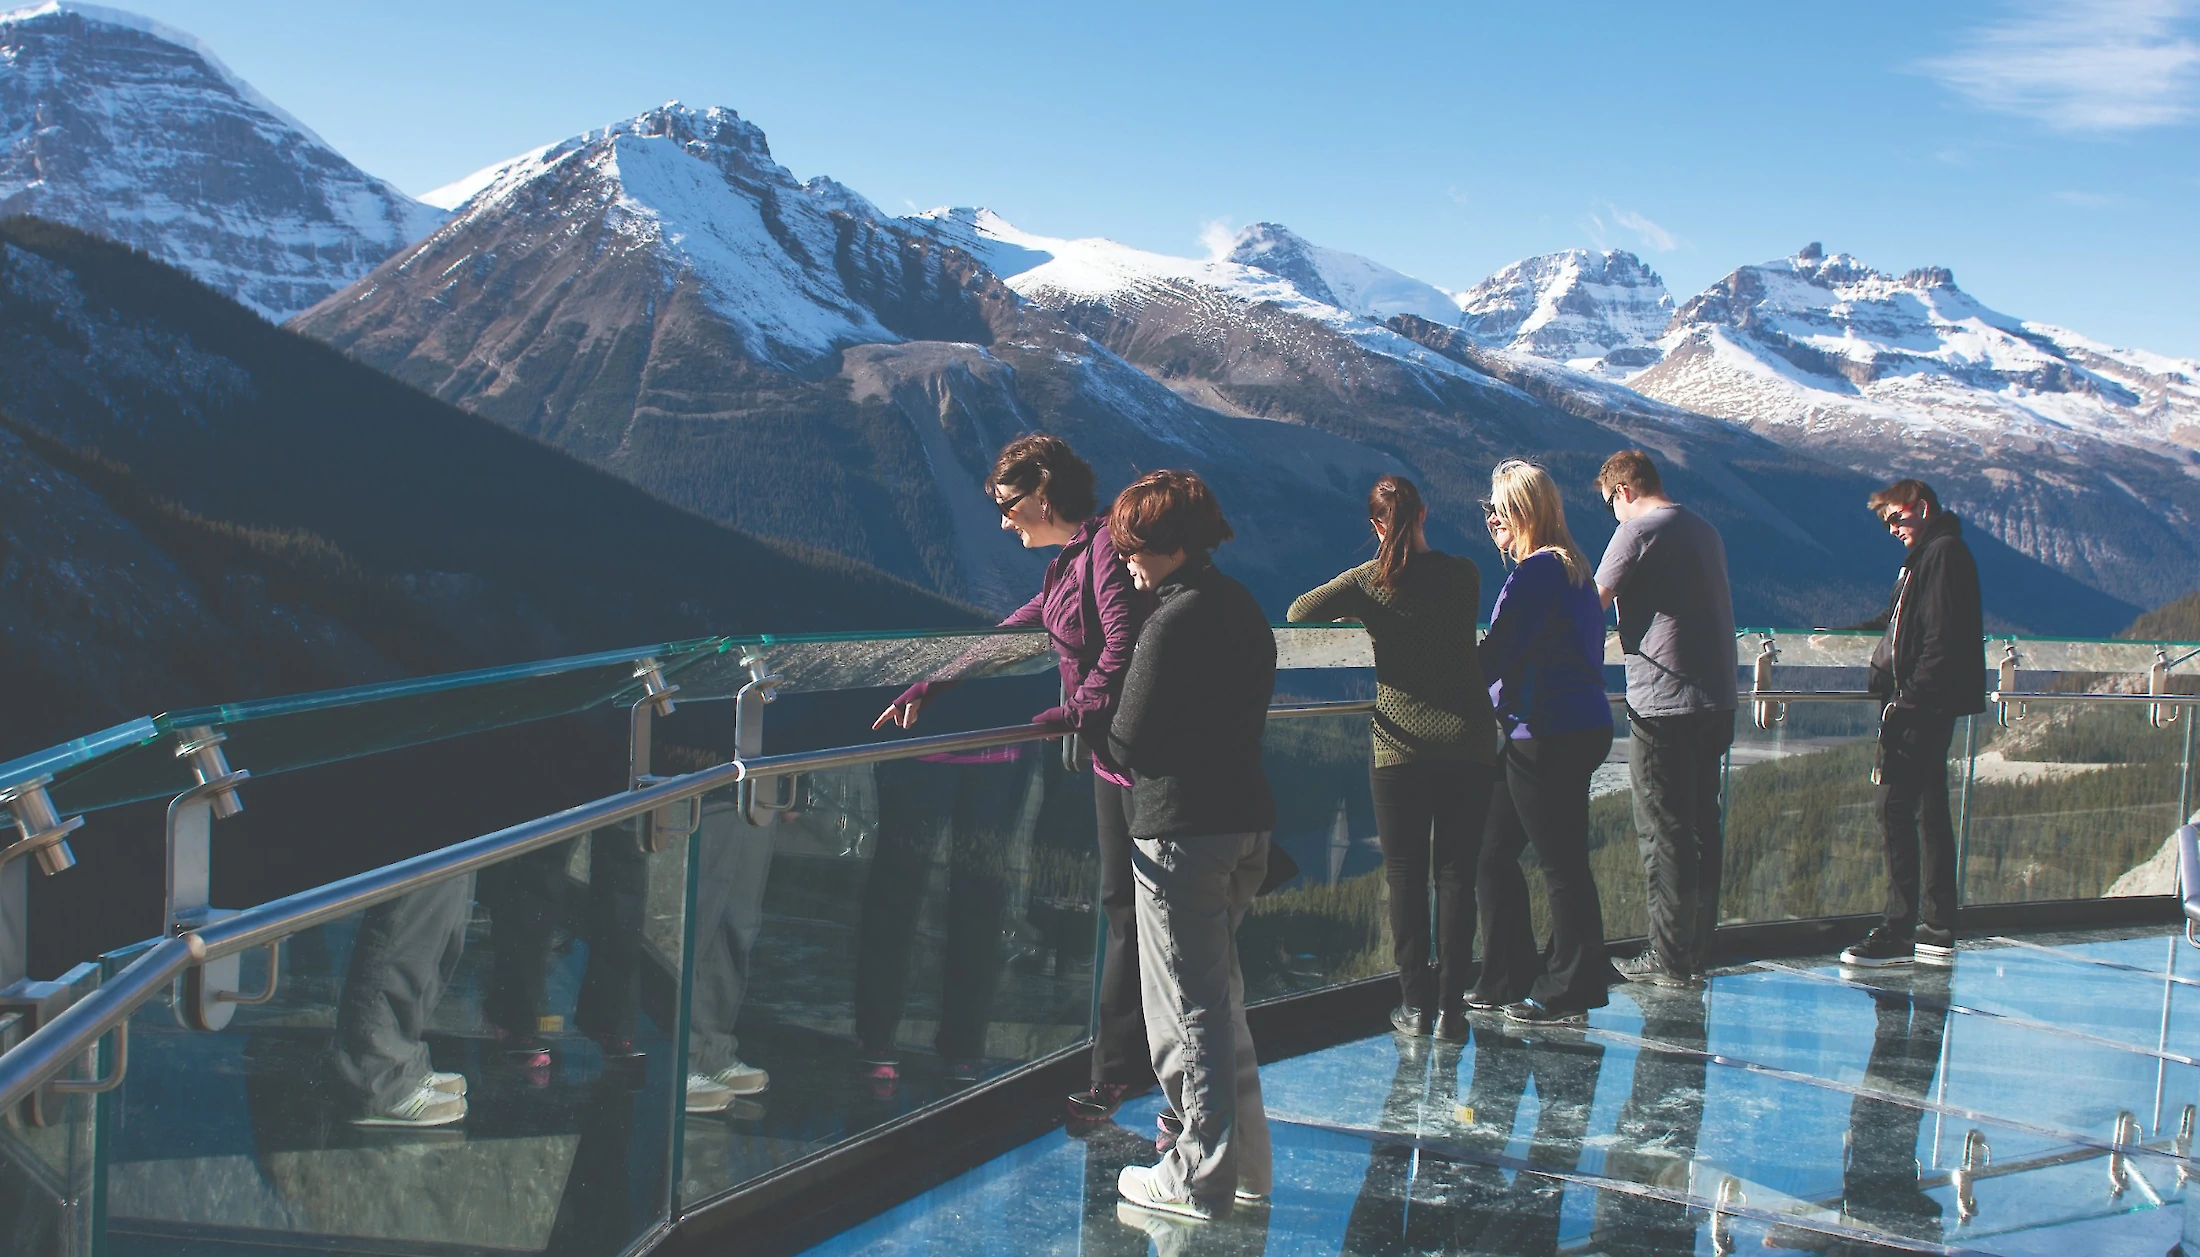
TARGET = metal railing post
x,y
205,995
656,831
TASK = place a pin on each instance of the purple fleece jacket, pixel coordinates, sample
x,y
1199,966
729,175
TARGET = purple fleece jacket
x,y
1092,631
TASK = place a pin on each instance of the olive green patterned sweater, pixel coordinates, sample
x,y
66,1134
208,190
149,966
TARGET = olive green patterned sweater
x,y
1430,703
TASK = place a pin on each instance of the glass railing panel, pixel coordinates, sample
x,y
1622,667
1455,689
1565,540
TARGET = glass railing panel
x,y
488,1063
898,933
1331,924
278,735
1800,837
77,752
48,1157
855,661
2072,801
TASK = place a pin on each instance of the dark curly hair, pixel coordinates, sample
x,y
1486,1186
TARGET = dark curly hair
x,y
1039,462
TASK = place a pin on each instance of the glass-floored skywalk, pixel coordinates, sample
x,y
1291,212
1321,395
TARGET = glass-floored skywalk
x,y
1789,1106
602,955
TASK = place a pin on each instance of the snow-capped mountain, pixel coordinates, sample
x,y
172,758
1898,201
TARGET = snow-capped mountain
x,y
2081,455
1596,312
1345,280
130,130
663,298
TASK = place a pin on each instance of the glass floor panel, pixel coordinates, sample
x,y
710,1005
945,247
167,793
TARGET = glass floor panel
x,y
1787,1108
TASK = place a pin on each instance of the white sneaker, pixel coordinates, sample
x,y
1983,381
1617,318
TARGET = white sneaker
x,y
1136,1184
706,1094
426,1106
1250,1198
742,1078
448,1084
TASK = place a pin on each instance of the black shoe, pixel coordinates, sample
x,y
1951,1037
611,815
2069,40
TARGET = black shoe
x,y
1419,1023
1935,947
1485,1003
1880,949
1530,1011
1652,968
1099,1103
1451,1025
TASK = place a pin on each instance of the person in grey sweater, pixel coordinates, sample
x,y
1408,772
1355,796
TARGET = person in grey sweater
x,y
1188,727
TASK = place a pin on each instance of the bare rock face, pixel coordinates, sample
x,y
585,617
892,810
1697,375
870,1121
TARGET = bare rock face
x,y
130,130
1597,312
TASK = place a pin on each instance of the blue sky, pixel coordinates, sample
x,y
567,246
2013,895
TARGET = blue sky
x,y
2049,154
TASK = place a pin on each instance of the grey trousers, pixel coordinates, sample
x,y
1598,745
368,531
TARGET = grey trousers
x,y
404,957
733,859
1192,894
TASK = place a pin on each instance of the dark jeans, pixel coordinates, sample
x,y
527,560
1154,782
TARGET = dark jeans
x,y
1542,796
1912,806
1674,769
403,959
1429,816
977,809
527,900
1879,1185
1119,1047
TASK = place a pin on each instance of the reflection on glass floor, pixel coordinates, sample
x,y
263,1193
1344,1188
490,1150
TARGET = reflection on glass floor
x,y
2036,1100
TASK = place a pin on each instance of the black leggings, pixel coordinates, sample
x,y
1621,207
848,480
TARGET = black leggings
x,y
1542,796
1119,1051
1429,816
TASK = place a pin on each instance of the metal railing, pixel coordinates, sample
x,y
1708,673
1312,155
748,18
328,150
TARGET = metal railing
x,y
72,1033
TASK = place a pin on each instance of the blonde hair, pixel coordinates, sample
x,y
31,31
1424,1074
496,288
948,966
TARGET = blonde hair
x,y
1526,498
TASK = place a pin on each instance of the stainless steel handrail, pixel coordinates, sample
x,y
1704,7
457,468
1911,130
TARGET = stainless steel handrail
x,y
2049,696
68,1036
1809,696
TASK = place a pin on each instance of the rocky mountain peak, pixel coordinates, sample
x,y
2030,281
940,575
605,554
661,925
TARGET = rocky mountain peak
x,y
1599,312
134,131
1275,248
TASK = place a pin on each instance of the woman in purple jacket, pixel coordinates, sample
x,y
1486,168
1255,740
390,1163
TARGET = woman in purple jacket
x,y
1087,604
1544,655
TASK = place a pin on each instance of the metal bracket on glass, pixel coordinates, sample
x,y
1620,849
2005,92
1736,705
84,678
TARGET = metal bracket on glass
x,y
2181,1146
1730,1198
205,996
1977,1157
42,831
2124,1136
2161,715
1767,714
2009,661
748,744
655,831
25,1005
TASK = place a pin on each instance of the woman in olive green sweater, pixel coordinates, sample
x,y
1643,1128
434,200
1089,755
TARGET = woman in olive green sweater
x,y
1435,745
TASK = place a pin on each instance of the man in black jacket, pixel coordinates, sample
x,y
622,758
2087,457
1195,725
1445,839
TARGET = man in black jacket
x,y
1188,728
1929,669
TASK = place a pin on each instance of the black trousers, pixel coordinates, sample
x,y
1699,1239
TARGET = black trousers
x,y
1674,769
1542,797
977,808
1119,1042
1912,806
1429,816
1879,1185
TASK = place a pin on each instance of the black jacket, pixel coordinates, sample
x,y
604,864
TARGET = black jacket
x,y
1195,701
1933,653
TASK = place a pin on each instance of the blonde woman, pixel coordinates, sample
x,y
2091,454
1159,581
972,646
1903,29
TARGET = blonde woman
x,y
1544,657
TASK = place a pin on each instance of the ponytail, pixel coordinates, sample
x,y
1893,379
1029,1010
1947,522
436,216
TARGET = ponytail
x,y
1395,505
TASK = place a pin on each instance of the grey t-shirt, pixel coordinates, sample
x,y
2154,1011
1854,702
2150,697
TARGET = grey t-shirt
x,y
1676,614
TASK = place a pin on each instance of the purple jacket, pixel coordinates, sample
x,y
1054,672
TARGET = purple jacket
x,y
1093,612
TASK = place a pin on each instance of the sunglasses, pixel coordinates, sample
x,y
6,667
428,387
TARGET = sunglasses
x,y
1610,499
1896,519
1490,515
1005,505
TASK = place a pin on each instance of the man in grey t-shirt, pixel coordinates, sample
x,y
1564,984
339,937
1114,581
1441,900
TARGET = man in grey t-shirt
x,y
1666,570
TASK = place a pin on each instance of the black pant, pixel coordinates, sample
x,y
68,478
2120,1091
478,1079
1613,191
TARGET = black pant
x,y
1674,769
1912,806
1429,816
1542,796
1119,1042
527,901
1656,1136
1879,1186
978,807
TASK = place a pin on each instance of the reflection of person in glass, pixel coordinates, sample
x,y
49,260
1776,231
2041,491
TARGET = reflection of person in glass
x,y
404,958
1655,1137
1087,604
1417,1199
977,803
527,899
1880,1190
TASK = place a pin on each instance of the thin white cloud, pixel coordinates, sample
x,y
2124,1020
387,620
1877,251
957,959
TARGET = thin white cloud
x,y
2083,65
2087,200
1218,237
1648,235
